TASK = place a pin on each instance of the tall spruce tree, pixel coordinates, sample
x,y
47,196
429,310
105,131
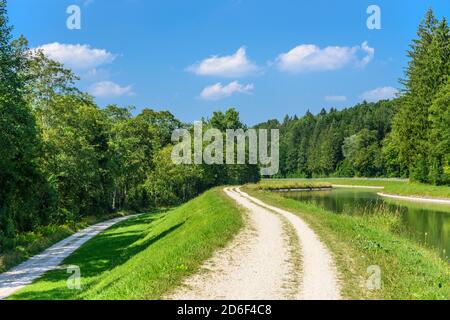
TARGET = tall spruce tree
x,y
440,136
439,115
425,75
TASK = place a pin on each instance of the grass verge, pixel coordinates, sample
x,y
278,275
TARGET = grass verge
x,y
273,185
32,243
418,190
409,271
146,257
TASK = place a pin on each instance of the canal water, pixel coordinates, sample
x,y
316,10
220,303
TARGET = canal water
x,y
428,224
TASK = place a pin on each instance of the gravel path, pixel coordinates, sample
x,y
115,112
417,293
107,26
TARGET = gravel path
x,y
30,270
319,276
255,266
259,265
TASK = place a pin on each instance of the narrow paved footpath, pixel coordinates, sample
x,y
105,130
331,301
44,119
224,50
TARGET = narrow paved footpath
x,y
260,263
30,270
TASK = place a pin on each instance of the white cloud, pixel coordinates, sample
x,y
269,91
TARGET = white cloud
x,y
236,65
370,53
378,94
77,56
105,89
218,91
309,57
335,98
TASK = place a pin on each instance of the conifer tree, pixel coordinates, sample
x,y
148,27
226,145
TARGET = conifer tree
x,y
426,73
440,136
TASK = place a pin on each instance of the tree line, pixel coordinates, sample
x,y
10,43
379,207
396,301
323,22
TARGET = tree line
x,y
408,136
63,157
344,143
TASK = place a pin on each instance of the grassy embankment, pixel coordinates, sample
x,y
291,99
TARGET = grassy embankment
x,y
29,244
391,186
409,270
146,257
291,185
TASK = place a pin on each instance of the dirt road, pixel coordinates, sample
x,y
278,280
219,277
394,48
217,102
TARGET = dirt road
x,y
276,256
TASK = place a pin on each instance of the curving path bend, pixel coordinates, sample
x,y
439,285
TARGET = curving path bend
x,y
258,264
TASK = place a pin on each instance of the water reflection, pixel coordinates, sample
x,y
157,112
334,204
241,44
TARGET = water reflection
x,y
426,223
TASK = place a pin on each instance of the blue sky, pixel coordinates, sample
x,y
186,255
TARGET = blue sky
x,y
266,58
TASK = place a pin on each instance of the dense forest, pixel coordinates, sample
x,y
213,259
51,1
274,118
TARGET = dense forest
x,y
346,143
63,157
407,137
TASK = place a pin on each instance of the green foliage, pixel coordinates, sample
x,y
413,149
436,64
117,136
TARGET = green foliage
x,y
47,79
414,127
76,154
229,174
133,145
170,184
440,136
24,193
363,152
313,146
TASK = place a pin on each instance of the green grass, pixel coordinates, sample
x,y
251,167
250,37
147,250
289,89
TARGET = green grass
x,y
146,257
409,271
391,186
419,190
289,185
29,244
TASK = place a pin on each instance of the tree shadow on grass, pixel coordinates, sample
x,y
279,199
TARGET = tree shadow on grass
x,y
102,254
